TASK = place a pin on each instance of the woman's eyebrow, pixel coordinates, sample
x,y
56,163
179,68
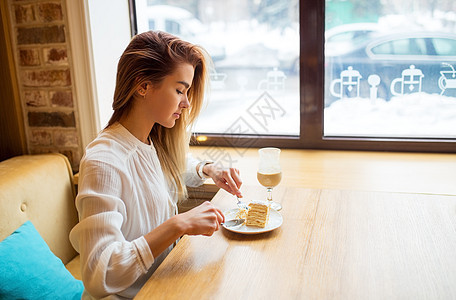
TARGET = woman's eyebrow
x,y
184,84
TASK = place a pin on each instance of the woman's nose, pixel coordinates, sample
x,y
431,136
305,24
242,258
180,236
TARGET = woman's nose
x,y
185,103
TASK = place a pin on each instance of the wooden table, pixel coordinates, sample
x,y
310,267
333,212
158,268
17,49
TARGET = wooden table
x,y
333,244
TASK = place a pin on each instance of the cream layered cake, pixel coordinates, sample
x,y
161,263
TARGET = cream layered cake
x,y
258,214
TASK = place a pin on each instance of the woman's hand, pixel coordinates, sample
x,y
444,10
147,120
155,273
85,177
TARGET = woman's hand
x,y
204,219
225,178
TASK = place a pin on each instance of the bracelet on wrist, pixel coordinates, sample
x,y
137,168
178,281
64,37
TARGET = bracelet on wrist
x,y
201,166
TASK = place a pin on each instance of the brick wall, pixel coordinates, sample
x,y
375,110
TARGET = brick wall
x,y
43,62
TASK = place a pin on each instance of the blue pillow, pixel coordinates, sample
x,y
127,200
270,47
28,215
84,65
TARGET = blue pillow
x,y
29,270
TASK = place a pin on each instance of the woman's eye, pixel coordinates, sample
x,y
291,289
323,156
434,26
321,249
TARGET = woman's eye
x,y
179,92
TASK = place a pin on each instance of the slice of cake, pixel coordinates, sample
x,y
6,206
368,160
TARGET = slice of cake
x,y
258,214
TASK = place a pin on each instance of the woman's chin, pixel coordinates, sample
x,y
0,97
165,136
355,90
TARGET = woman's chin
x,y
169,124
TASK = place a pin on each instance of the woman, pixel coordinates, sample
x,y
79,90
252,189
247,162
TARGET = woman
x,y
135,171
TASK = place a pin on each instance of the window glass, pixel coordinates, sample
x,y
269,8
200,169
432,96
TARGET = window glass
x,y
255,49
419,46
444,47
343,36
172,26
401,47
151,24
400,81
384,48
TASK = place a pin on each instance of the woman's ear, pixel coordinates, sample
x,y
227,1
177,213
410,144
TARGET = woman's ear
x,y
142,90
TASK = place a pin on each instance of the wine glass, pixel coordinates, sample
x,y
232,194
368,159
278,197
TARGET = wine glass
x,y
269,172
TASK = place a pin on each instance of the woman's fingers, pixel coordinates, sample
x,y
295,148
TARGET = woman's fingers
x,y
230,180
236,175
204,219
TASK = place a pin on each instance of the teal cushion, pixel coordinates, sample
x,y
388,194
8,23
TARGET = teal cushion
x,y
29,270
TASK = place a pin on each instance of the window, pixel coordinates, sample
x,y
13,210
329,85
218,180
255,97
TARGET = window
x,y
384,48
444,47
322,74
394,87
254,46
408,47
172,27
151,24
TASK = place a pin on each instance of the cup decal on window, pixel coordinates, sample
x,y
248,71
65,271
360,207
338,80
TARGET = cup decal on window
x,y
447,79
218,80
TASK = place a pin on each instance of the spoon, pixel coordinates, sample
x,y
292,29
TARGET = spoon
x,y
233,222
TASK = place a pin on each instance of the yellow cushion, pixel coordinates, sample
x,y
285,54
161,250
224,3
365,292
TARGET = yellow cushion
x,y
39,188
74,266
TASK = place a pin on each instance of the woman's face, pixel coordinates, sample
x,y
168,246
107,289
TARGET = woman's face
x,y
166,101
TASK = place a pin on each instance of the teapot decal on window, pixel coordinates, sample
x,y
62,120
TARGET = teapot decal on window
x,y
348,84
275,80
411,82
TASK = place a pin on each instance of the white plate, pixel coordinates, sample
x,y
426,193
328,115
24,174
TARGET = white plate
x,y
275,220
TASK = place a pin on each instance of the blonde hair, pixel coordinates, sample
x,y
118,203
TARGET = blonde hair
x,y
150,57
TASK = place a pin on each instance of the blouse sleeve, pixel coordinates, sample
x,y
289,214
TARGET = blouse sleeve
x,y
109,263
192,178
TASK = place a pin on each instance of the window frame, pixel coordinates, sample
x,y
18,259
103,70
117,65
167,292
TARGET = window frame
x,y
312,61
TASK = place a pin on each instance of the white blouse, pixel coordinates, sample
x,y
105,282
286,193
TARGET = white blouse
x,y
122,196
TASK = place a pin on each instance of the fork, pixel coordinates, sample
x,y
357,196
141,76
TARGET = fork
x,y
241,204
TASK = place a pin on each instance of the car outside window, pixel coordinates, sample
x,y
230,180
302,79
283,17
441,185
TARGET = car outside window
x,y
383,48
444,47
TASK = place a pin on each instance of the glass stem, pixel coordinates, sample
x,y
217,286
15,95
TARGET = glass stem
x,y
270,194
